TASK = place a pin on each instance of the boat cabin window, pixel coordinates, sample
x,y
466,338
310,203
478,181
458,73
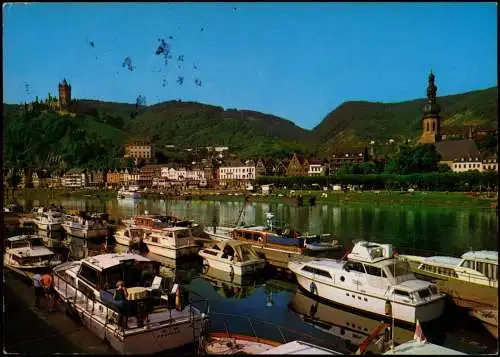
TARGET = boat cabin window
x,y
183,234
424,293
206,251
154,239
491,271
371,270
227,252
401,293
317,271
480,267
88,274
126,234
247,235
467,264
356,266
400,268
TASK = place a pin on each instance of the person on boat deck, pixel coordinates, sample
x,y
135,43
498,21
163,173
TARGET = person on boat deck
x,y
121,295
47,281
38,289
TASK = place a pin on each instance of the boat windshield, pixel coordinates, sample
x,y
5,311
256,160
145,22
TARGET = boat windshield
x,y
399,268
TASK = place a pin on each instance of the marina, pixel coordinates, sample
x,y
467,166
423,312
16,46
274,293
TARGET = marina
x,y
312,319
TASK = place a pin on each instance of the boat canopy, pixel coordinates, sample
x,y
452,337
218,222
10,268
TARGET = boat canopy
x,y
105,261
241,249
370,252
481,254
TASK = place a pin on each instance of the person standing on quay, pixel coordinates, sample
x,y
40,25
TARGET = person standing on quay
x,y
48,286
38,289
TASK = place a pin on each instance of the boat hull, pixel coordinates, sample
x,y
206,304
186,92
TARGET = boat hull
x,y
49,226
152,338
237,268
373,304
172,252
463,293
86,233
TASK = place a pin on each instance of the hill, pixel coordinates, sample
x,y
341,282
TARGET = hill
x,y
189,124
354,124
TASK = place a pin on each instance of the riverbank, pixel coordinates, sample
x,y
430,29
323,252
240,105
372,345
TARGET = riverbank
x,y
486,201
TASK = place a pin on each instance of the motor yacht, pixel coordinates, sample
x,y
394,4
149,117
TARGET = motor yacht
x,y
150,320
470,280
371,279
233,257
28,252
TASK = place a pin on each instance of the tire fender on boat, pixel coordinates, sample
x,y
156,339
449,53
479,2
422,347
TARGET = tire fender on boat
x,y
313,288
232,270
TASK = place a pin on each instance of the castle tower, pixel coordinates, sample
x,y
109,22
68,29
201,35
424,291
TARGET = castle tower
x,y
64,95
431,119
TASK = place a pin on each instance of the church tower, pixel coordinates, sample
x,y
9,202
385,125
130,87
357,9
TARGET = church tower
x,y
431,120
64,95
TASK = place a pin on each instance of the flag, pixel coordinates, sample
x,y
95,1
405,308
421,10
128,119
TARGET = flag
x,y
419,334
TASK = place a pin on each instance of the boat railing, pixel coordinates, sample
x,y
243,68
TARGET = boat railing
x,y
63,283
231,326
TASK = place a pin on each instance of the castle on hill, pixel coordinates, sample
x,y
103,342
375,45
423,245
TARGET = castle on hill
x,y
61,104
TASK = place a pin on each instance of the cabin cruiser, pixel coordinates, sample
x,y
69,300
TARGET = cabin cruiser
x,y
149,320
48,220
28,252
233,257
130,192
473,278
172,242
130,236
373,280
152,222
83,226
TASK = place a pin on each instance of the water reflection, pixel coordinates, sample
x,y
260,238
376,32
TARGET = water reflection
x,y
352,328
234,287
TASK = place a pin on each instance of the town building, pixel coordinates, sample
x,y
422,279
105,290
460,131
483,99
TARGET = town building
x,y
148,173
113,178
234,175
464,164
339,160
297,166
74,178
452,151
316,168
139,149
96,178
490,163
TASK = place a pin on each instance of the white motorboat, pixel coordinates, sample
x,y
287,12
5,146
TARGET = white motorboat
x,y
416,347
129,192
149,321
172,242
27,252
49,220
233,257
85,227
372,280
471,279
130,235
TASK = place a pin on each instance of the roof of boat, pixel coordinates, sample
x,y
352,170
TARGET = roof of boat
x,y
31,252
414,347
105,261
299,348
327,263
232,243
24,237
175,228
481,254
451,261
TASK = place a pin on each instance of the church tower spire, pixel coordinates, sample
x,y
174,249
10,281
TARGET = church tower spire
x,y
431,119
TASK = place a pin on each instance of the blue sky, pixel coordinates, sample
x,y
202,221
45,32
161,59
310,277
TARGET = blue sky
x,y
295,60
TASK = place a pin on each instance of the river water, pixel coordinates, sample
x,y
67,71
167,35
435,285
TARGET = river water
x,y
276,299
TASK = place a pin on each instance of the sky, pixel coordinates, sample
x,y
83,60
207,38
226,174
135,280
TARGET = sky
x,y
298,61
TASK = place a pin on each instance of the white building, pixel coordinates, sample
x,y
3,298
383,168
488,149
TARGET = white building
x,y
72,179
183,175
316,168
464,164
131,177
243,173
490,163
